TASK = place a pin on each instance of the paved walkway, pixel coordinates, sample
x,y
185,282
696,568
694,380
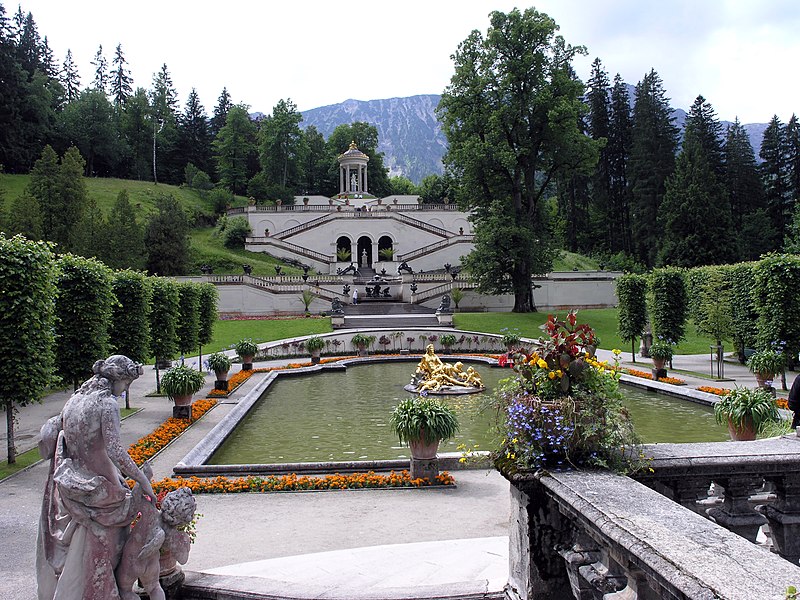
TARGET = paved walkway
x,y
339,540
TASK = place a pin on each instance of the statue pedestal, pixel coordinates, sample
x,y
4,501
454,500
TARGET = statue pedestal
x,y
445,318
337,321
182,412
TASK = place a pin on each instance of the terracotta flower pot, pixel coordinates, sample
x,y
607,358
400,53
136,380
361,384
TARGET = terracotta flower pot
x,y
659,363
221,375
746,432
421,450
183,400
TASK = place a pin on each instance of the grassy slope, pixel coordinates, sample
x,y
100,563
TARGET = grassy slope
x,y
207,248
604,321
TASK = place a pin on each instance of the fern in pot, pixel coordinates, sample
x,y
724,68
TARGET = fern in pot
x,y
765,364
422,423
180,383
746,411
246,349
314,345
220,364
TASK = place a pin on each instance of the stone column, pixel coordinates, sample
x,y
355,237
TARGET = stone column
x,y
341,175
366,189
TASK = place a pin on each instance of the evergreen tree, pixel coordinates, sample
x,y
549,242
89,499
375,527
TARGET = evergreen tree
x,y
224,104
234,148
90,236
315,162
24,217
121,80
167,238
29,45
696,213
194,135
137,134
604,231
70,78
746,194
618,152
126,248
654,140
73,193
48,61
279,146
44,187
164,104
793,161
774,174
89,123
100,64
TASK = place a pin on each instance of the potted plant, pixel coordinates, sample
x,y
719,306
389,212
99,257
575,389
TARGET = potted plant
x,y
448,340
361,341
765,364
246,350
511,340
660,352
220,364
746,411
314,345
422,423
180,383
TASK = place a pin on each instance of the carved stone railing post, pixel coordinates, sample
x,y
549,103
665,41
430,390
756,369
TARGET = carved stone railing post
x,y
736,513
784,516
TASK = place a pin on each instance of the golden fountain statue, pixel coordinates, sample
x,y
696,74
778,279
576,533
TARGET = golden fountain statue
x,y
436,377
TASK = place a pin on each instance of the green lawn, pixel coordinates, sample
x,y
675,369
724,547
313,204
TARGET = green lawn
x,y
25,459
604,321
209,249
227,333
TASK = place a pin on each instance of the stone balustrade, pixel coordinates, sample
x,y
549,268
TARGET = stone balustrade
x,y
592,535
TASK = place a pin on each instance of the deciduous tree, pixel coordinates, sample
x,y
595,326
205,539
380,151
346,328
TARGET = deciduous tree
x,y
511,115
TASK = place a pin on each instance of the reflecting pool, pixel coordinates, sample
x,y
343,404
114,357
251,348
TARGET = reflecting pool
x,y
344,415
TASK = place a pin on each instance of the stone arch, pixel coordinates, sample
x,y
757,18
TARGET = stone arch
x,y
264,226
462,224
344,242
437,223
364,244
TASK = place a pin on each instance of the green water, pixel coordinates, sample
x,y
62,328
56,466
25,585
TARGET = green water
x,y
339,416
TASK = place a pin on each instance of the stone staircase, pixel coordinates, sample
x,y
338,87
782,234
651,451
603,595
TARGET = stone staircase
x,y
394,315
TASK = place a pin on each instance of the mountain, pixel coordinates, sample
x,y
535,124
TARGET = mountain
x,y
409,134
411,138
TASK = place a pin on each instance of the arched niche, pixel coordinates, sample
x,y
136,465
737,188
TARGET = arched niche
x,y
384,243
343,243
364,249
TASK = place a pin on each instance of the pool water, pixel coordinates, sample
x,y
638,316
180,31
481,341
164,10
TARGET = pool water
x,y
344,416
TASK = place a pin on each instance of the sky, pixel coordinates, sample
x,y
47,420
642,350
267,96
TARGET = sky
x,y
741,55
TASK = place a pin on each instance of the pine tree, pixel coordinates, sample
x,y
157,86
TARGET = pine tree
x,y
100,65
43,186
164,104
746,195
604,231
793,161
224,104
137,132
234,148
29,45
90,236
702,122
121,80
194,136
167,238
654,140
126,244
70,79
24,217
618,151
774,174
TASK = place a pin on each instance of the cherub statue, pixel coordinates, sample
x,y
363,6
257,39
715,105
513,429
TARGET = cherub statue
x,y
153,531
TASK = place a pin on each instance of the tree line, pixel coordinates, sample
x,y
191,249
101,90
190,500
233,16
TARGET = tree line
x,y
63,312
546,162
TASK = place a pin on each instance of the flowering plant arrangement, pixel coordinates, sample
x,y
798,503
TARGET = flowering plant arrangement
x,y
562,408
661,350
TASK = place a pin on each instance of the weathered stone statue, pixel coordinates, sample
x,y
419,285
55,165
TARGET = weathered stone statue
x,y
88,508
444,306
336,307
155,532
404,267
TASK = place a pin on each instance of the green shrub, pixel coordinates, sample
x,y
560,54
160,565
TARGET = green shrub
x,y
315,343
236,232
744,404
423,419
219,362
246,348
766,362
182,381
661,350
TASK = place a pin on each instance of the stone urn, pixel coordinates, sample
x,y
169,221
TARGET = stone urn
x,y
247,362
421,450
659,363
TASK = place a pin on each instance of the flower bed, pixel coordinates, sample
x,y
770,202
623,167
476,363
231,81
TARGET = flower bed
x,y
714,390
645,375
293,482
148,446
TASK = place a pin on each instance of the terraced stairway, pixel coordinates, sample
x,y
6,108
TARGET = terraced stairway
x,y
394,315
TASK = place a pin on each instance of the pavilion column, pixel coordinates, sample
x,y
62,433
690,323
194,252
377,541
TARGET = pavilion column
x,y
341,182
366,189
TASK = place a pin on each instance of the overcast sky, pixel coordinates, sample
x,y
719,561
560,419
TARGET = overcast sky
x,y
741,55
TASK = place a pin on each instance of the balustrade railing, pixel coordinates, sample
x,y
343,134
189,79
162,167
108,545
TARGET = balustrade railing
x,y
294,248
668,534
417,253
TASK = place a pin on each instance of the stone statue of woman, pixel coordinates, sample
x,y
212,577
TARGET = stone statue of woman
x,y
88,507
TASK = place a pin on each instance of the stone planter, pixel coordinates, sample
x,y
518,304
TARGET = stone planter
x,y
362,350
424,463
764,379
247,363
221,382
315,357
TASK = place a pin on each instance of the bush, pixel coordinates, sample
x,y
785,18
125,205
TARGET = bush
x,y
236,232
221,199
447,340
315,343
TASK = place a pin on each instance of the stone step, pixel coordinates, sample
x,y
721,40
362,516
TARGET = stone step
x,y
386,308
390,321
